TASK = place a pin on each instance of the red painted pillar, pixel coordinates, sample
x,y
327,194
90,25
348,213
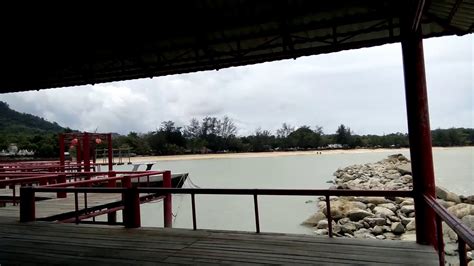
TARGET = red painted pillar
x,y
131,211
167,202
27,204
79,155
62,149
110,151
86,152
61,179
419,132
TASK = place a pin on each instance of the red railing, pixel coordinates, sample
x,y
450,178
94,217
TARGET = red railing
x,y
465,235
60,179
131,206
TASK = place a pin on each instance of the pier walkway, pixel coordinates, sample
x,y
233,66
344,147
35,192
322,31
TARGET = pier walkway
x,y
61,244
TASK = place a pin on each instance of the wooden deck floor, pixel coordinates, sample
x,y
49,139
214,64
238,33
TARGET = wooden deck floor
x,y
69,244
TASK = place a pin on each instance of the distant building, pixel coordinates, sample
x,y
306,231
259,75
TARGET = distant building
x,y
335,146
12,149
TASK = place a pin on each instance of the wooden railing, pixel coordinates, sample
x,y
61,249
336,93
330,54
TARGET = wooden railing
x,y
465,235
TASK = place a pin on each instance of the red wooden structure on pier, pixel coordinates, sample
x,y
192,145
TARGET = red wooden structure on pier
x,y
85,144
186,36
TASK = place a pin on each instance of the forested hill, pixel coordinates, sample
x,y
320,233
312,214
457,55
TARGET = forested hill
x,y
13,122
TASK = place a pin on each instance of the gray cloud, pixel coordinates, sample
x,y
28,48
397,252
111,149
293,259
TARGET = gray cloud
x,y
361,88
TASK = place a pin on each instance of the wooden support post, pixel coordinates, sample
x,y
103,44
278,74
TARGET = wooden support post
x,y
79,155
62,149
61,179
167,202
112,183
112,218
131,211
419,131
110,151
27,204
86,153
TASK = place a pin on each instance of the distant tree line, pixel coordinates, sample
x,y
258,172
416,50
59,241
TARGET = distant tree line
x,y
214,135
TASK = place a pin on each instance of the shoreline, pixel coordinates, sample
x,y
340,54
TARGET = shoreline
x,y
139,159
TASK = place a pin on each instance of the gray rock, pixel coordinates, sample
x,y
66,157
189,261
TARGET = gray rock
x,y
394,218
399,200
314,219
411,215
407,209
397,228
377,230
404,169
470,199
358,205
348,235
408,201
389,206
446,195
406,220
321,232
323,224
451,249
336,229
363,233
348,228
462,209
469,221
445,204
383,211
411,226
358,214
373,200
386,228
343,221
371,206
374,221
389,235
381,237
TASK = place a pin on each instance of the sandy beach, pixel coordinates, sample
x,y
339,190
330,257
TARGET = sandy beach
x,y
258,154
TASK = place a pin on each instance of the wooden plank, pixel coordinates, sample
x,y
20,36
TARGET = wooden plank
x,y
92,244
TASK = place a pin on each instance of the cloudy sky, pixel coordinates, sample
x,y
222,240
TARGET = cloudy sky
x,y
362,89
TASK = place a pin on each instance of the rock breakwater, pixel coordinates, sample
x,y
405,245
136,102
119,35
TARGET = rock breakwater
x,y
391,218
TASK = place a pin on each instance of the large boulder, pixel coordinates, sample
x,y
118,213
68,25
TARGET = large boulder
x,y
397,228
462,209
445,204
383,211
341,207
389,206
377,230
314,219
373,221
408,201
358,214
373,200
348,228
469,199
404,169
469,221
446,195
411,226
323,224
363,233
407,209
